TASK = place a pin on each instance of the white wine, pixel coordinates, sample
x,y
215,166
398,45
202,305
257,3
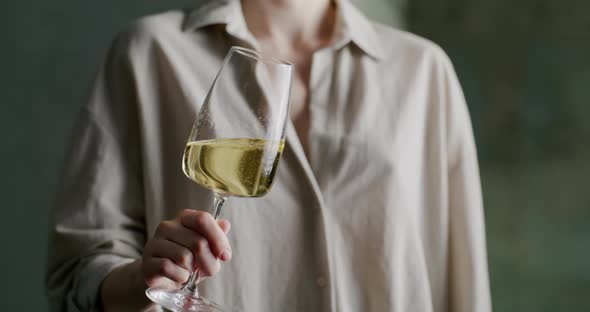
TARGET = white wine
x,y
235,167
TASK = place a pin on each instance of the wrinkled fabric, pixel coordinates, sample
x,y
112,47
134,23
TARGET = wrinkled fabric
x,y
385,215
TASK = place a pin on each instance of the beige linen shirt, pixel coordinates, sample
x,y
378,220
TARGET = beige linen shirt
x,y
385,215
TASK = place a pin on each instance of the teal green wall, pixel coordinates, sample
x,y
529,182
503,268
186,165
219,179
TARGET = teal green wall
x,y
526,75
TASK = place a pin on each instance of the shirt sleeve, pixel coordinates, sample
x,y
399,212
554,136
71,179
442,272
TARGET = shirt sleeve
x,y
97,220
468,269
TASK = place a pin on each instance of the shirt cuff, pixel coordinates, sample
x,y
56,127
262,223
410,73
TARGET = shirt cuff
x,y
89,279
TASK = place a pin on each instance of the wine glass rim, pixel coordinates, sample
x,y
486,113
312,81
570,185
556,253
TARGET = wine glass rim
x,y
259,56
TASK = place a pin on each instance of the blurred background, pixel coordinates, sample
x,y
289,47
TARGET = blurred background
x,y
525,69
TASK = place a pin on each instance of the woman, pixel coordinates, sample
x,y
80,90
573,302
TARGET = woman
x,y
376,205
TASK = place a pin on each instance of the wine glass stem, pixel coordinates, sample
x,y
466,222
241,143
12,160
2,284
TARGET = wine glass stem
x,y
217,204
191,286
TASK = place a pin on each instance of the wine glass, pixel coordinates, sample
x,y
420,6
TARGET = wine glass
x,y
235,145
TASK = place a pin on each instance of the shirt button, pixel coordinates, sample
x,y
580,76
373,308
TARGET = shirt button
x,y
321,282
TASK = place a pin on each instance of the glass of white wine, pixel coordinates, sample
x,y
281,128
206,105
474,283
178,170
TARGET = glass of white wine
x,y
235,145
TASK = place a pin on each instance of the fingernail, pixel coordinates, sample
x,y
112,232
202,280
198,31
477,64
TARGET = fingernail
x,y
225,255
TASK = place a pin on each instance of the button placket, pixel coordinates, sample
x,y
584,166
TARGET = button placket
x,y
320,88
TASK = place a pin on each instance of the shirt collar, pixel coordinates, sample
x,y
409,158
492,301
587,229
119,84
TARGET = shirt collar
x,y
356,27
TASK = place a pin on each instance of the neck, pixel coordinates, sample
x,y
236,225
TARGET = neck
x,y
290,22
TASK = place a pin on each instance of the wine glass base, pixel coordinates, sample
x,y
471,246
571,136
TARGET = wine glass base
x,y
181,301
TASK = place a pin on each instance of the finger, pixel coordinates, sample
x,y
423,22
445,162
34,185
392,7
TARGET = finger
x,y
191,240
206,262
225,226
204,223
181,255
156,268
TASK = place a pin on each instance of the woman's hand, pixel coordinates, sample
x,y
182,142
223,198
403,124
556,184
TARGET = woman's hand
x,y
193,240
